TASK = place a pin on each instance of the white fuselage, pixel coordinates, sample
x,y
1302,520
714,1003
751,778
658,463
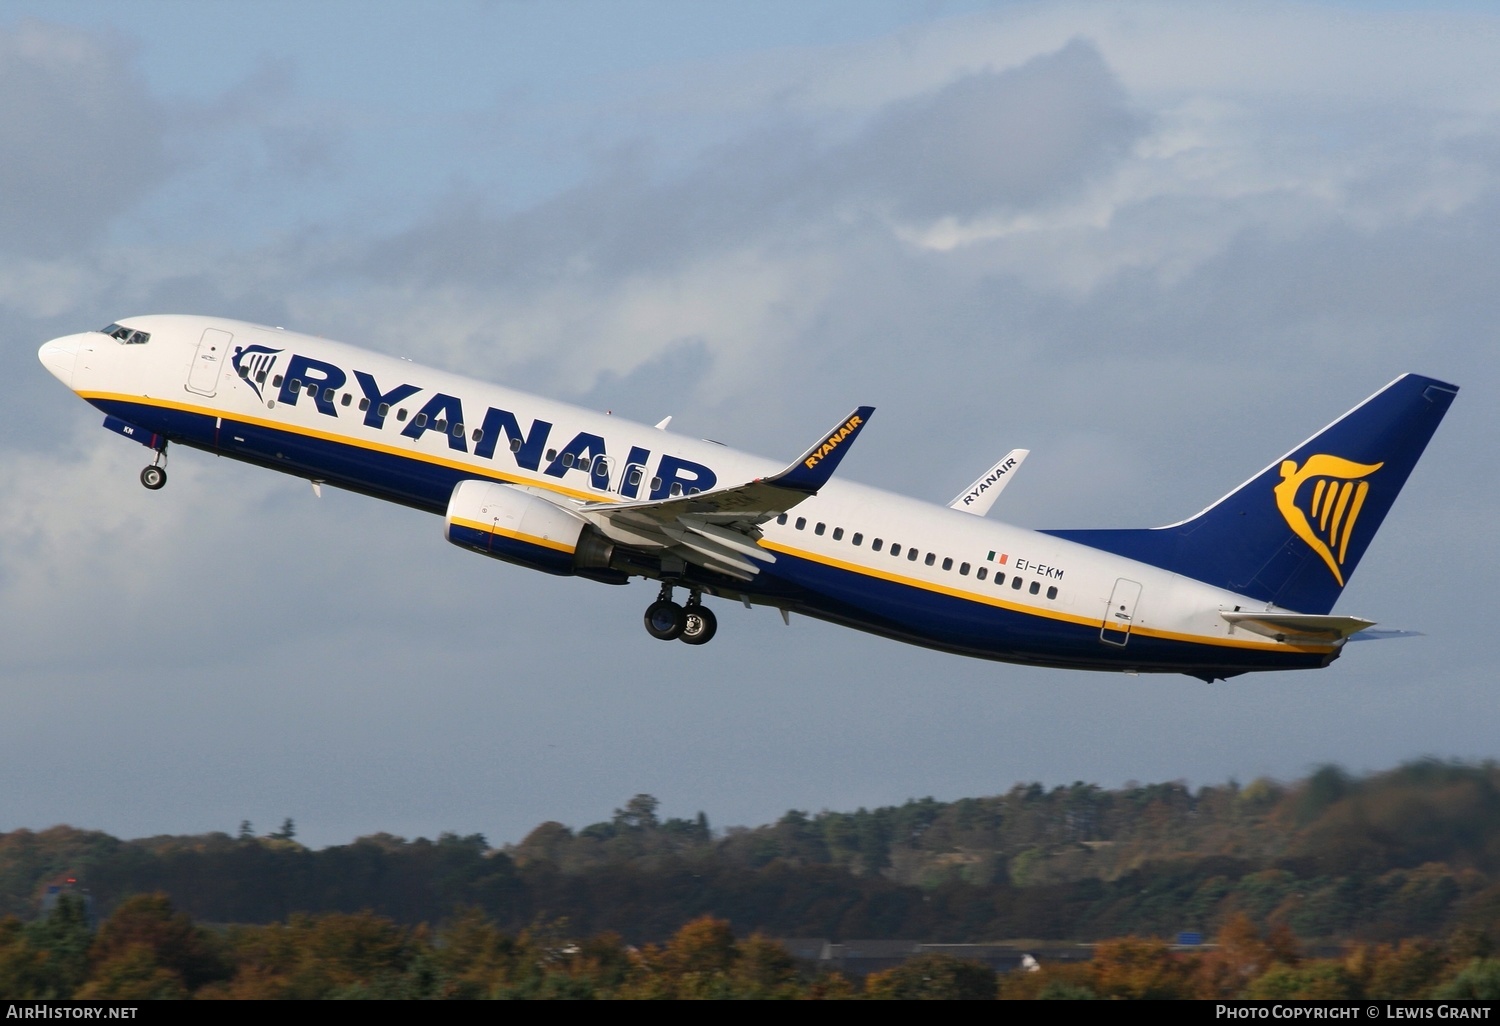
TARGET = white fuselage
x,y
856,555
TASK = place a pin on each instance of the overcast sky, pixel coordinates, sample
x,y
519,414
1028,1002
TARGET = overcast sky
x,y
1157,245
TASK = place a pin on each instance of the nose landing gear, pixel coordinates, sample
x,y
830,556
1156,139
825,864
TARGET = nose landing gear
x,y
155,475
694,624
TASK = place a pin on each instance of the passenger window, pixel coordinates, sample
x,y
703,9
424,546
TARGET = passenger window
x,y
801,523
999,578
328,395
982,572
400,414
295,385
895,549
635,479
655,483
1036,586
312,389
676,487
441,426
261,378
857,538
420,420
346,400
567,459
838,534
276,382
551,453
691,491
931,558
1016,582
458,430
912,553
875,545
385,410
478,435
1052,592
948,563
819,529
364,404
515,445
244,372
963,569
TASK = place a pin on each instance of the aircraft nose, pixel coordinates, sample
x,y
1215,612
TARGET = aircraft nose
x,y
58,357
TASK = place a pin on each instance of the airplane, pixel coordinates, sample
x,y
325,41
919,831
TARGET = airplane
x,y
1247,584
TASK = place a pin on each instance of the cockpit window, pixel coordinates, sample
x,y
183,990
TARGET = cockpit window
x,y
127,336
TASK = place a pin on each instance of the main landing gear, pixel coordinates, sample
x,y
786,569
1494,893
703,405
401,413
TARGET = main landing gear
x,y
694,624
155,476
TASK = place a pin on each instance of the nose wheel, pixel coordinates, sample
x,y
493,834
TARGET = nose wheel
x,y
154,477
694,624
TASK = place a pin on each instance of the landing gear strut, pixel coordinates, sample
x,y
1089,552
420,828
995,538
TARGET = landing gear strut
x,y
155,476
695,623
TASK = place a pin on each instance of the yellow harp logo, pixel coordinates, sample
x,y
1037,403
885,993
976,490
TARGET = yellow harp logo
x,y
1325,518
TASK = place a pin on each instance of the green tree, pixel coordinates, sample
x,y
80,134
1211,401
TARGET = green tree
x,y
62,939
638,814
146,934
1479,981
933,977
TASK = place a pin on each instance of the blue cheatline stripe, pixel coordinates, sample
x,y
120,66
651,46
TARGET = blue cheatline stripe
x,y
972,628
842,595
500,546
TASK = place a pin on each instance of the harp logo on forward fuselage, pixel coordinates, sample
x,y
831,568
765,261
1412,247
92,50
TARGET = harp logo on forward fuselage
x,y
1324,515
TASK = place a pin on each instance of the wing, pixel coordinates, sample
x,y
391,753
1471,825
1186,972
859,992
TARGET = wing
x,y
720,529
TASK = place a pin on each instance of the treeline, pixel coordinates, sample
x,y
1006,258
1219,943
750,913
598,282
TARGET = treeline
x,y
1412,852
147,950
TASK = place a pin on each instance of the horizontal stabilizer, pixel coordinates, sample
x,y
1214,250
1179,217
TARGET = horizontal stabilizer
x,y
981,495
1384,634
1298,626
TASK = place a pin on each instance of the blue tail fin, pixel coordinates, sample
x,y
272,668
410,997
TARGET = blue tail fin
x,y
1294,533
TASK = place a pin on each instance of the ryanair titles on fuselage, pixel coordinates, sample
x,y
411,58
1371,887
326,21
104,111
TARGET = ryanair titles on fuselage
x,y
833,441
319,380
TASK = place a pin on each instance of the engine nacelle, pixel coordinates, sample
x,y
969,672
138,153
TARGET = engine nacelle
x,y
518,527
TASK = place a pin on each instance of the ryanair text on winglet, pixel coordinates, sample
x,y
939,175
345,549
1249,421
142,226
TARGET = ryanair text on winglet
x,y
833,441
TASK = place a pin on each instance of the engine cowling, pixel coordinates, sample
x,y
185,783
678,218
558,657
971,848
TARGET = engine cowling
x,y
507,523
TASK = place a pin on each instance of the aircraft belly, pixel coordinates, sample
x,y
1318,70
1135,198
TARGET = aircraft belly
x,y
967,627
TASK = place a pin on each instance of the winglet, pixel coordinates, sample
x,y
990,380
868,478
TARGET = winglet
x,y
813,468
981,495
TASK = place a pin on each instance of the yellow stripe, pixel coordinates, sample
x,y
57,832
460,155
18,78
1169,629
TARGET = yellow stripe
x,y
467,468
530,539
1359,500
1046,614
358,443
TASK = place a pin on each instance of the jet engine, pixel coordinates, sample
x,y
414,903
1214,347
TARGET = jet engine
x,y
508,523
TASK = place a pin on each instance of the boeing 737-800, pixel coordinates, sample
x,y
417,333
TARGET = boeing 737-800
x,y
1247,584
